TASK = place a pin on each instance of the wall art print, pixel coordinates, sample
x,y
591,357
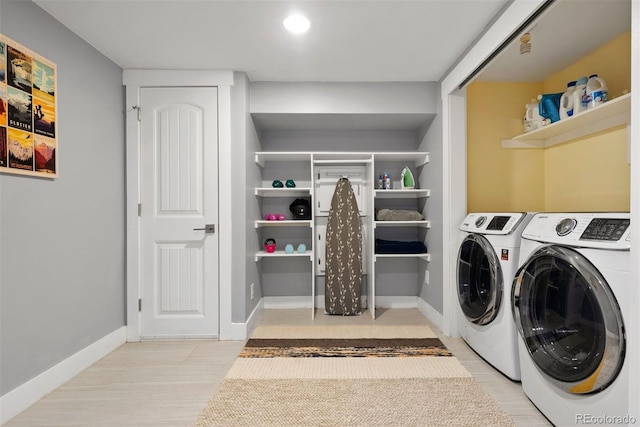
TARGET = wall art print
x,y
28,128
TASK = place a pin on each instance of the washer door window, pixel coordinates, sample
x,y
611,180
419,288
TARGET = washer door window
x,y
479,280
569,320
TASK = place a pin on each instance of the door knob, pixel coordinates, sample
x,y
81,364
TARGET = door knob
x,y
208,228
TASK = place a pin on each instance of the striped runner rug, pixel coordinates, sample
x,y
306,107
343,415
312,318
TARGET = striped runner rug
x,y
349,375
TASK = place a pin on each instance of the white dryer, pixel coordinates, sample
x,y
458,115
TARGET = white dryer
x,y
487,263
570,301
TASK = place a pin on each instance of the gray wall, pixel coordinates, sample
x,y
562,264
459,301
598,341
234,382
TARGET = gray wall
x,y
244,144
431,178
62,278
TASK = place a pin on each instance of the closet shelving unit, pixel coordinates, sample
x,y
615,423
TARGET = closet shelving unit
x,y
372,161
404,199
279,199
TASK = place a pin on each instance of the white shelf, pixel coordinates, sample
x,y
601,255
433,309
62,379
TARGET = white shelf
x,y
281,254
285,223
422,223
418,158
283,192
424,257
402,194
282,156
611,114
342,162
337,157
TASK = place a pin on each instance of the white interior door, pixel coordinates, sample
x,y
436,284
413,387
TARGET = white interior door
x,y
179,212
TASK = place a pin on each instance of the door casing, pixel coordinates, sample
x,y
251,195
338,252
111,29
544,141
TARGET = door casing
x,y
133,81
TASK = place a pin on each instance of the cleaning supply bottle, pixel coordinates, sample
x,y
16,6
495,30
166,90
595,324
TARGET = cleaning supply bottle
x,y
532,118
549,106
596,92
578,96
387,182
380,182
566,101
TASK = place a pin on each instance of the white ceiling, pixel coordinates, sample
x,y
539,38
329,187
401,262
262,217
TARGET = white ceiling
x,y
349,41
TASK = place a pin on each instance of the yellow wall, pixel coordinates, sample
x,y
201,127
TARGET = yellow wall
x,y
591,174
499,179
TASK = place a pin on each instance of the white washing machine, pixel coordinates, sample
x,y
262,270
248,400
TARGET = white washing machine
x,y
570,301
487,263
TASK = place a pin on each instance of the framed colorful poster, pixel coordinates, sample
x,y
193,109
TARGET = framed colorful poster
x,y
28,128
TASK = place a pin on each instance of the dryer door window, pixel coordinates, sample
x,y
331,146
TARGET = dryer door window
x,y
569,320
479,280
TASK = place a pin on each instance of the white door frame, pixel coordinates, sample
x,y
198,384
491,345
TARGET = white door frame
x,y
455,146
133,81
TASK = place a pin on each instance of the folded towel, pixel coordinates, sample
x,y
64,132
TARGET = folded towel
x,y
396,247
398,215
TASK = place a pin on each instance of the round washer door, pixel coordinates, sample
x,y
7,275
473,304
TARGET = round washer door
x,y
479,280
569,320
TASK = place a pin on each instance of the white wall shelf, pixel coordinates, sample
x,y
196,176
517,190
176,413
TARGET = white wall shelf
x,y
423,257
282,254
342,162
283,192
611,114
281,156
285,223
402,194
418,158
423,223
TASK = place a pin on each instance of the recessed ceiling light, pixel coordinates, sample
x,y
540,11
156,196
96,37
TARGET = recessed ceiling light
x,y
296,23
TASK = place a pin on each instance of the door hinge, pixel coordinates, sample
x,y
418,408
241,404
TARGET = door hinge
x,y
137,108
140,304
139,209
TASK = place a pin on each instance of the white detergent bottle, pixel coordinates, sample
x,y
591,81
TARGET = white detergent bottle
x,y
566,101
578,96
532,118
596,92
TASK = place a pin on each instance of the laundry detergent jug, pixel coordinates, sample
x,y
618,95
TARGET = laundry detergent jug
x,y
532,118
566,101
596,92
578,96
549,106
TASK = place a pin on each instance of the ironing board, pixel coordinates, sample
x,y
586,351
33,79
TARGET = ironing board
x,y
343,268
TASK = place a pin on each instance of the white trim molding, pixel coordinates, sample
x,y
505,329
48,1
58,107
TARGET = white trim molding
x,y
431,313
454,142
20,398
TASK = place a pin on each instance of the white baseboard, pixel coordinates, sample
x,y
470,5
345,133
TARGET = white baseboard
x,y
397,302
25,395
253,320
287,302
431,313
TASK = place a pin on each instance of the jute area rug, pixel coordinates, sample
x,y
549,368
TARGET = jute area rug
x,y
349,375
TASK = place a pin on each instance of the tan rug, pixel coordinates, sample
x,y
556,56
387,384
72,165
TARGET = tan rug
x,y
332,376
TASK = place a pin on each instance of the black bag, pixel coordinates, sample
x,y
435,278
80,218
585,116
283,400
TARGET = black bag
x,y
301,209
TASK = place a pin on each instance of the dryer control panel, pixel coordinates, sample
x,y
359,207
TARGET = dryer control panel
x,y
589,230
502,223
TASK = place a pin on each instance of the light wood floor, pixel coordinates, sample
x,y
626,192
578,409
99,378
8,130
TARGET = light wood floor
x,y
167,383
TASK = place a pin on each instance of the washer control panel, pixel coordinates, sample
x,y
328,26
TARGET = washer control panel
x,y
611,229
590,230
